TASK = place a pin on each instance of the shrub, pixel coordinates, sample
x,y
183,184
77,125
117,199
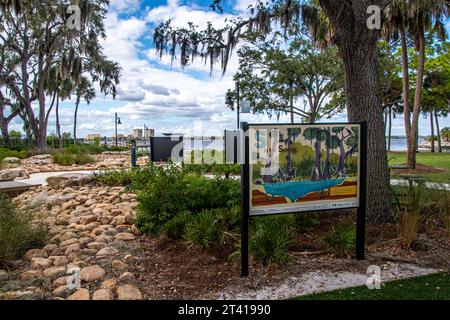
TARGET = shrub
x,y
204,230
118,149
306,221
8,153
17,231
272,236
174,228
85,149
120,177
163,192
341,239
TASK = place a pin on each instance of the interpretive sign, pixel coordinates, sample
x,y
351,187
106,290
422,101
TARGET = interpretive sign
x,y
295,168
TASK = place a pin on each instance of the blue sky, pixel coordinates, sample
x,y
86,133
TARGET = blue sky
x,y
152,92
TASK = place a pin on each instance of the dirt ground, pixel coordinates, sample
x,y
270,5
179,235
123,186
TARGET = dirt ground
x,y
170,270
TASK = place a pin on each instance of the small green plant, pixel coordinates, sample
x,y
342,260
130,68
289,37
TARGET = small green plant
x,y
271,239
18,233
341,239
307,221
417,201
204,230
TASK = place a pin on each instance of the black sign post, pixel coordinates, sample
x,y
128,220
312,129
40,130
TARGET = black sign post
x,y
361,211
245,198
245,202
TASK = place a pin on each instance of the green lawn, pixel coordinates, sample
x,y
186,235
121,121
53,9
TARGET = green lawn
x,y
431,287
441,160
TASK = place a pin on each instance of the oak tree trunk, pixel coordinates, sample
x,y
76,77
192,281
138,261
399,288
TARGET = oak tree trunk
x,y
358,46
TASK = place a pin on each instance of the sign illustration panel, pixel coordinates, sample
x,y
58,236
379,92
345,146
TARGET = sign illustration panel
x,y
295,168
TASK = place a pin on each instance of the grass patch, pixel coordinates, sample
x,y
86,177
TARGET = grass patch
x,y
440,160
430,287
18,233
68,159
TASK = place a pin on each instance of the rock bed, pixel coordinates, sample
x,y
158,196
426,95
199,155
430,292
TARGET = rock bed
x,y
90,233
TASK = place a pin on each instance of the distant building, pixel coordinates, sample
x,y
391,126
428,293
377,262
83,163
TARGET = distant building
x,y
93,136
149,133
119,136
137,133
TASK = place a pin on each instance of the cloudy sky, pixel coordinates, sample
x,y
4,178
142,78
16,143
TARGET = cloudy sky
x,y
156,94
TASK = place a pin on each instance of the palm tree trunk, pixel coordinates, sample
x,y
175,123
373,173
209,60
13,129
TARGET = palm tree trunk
x,y
432,130
438,131
58,125
417,99
405,70
390,128
75,123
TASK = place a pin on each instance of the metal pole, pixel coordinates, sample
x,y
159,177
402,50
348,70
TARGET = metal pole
x,y
238,105
115,123
133,154
361,213
245,204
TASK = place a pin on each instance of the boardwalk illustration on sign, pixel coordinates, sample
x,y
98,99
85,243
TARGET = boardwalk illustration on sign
x,y
308,167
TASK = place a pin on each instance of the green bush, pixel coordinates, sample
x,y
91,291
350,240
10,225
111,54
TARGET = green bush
x,y
118,149
64,158
85,149
174,228
17,231
341,239
119,177
204,230
306,221
271,238
8,153
163,192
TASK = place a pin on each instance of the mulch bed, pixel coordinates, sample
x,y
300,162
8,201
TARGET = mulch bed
x,y
421,169
171,270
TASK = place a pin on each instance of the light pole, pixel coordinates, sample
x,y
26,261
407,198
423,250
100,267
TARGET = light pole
x,y
117,122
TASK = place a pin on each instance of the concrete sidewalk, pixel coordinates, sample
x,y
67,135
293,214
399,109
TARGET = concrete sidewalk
x,y
40,178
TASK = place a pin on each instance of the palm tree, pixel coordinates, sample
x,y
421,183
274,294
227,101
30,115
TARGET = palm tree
x,y
396,26
426,15
83,90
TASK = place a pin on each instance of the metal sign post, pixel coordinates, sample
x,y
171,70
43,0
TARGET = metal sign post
x,y
245,203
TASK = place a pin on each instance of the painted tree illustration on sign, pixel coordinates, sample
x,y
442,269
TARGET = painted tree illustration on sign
x,y
347,137
292,134
332,142
316,136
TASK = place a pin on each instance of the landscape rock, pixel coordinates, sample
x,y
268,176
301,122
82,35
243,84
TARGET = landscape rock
x,y
35,253
40,262
119,265
54,272
125,236
92,273
13,174
80,294
108,251
69,180
109,284
30,274
128,292
102,294
11,160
